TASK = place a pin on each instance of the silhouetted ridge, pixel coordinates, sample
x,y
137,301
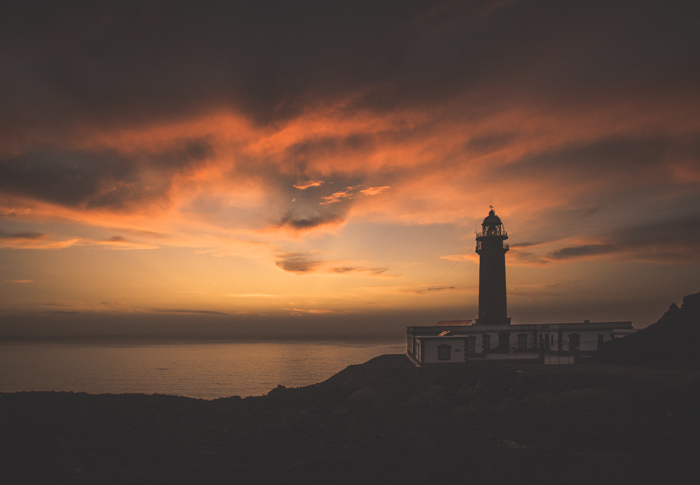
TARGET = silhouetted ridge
x,y
670,341
384,421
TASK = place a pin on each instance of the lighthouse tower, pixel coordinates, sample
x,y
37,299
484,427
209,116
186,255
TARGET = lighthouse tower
x,y
492,271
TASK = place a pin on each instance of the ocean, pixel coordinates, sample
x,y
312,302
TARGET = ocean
x,y
206,370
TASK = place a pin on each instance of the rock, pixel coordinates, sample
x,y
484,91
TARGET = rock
x,y
671,341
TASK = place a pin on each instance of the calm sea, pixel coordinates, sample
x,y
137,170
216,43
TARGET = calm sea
x,y
205,370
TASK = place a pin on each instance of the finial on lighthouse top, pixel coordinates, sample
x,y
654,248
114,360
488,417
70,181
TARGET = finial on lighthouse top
x,y
492,219
492,225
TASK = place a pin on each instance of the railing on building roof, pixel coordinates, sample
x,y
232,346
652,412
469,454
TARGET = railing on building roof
x,y
453,323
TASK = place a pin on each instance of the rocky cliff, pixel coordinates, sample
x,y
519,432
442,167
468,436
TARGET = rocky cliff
x,y
674,340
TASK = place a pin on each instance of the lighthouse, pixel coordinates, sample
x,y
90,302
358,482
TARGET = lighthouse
x,y
492,251
492,337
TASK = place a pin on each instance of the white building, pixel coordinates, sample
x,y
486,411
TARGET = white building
x,y
550,343
492,337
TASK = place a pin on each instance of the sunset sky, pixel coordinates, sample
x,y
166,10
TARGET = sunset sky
x,y
319,167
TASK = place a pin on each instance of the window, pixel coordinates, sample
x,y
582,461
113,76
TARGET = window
x,y
545,340
504,341
574,342
444,352
486,342
601,339
471,345
522,341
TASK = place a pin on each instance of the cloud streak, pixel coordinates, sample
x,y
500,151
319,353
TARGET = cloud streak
x,y
309,184
22,235
297,263
573,252
303,263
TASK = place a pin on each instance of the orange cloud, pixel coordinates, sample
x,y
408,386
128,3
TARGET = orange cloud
x,y
310,183
428,160
303,263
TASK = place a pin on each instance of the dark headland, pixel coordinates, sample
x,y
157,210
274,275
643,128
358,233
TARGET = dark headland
x,y
631,418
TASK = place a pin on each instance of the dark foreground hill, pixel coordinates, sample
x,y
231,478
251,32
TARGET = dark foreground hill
x,y
672,341
381,422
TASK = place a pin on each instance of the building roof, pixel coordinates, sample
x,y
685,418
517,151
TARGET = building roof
x,y
492,219
468,329
453,323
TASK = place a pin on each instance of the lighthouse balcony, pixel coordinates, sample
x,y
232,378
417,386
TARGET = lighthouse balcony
x,y
492,231
478,246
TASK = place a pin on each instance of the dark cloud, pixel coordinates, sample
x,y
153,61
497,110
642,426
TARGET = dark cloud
x,y
22,235
63,312
315,208
675,240
309,208
489,143
676,231
620,161
524,244
431,288
352,269
302,263
185,154
573,252
439,288
527,258
198,312
165,58
297,263
342,269
318,148
70,179
304,222
97,178
116,62
117,239
149,234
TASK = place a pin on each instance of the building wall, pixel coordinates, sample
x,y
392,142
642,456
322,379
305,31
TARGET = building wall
x,y
423,342
556,359
518,356
430,350
589,340
479,343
